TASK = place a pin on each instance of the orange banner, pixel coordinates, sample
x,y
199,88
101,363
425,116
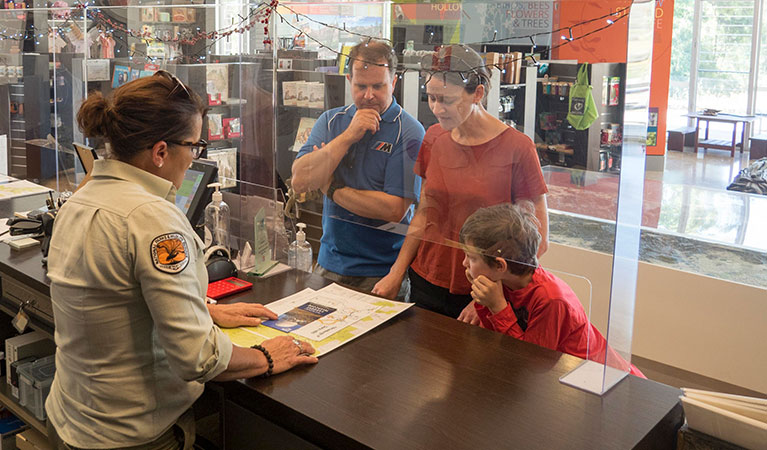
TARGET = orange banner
x,y
608,45
661,70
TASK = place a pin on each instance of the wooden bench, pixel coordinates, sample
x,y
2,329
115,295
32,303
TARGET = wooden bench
x,y
681,137
758,147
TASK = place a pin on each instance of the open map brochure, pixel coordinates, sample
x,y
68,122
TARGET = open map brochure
x,y
327,318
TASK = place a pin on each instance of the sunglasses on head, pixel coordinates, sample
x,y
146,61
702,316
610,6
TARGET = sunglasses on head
x,y
178,83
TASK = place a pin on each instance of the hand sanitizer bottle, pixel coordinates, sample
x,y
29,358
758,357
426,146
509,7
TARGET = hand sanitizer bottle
x,y
217,220
300,252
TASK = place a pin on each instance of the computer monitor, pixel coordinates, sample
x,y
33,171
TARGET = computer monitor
x,y
194,194
86,155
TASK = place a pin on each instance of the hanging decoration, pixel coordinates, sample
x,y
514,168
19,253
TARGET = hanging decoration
x,y
264,11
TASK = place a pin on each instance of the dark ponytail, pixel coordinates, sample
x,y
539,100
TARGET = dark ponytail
x,y
138,114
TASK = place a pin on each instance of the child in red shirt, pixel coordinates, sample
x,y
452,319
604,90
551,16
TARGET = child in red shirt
x,y
514,296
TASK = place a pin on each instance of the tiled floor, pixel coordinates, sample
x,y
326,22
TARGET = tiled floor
x,y
712,169
689,198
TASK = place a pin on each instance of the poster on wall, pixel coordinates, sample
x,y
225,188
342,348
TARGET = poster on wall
x,y
97,69
507,19
432,23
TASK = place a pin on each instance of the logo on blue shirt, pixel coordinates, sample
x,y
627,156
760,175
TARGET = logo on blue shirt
x,y
383,147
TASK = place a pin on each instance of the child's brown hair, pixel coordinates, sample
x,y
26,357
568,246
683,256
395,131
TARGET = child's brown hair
x,y
509,231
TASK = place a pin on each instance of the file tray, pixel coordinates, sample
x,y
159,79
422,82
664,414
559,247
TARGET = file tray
x,y
35,381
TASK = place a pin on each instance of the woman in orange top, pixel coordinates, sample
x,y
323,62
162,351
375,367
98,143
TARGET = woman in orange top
x,y
468,160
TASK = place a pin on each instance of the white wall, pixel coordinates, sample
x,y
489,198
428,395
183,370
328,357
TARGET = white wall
x,y
712,327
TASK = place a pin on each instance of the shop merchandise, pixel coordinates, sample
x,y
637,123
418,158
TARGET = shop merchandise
x,y
215,127
582,108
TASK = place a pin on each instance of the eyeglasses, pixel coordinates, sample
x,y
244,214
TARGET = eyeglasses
x,y
196,147
170,76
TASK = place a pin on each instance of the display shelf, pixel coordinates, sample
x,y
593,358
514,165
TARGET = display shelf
x,y
512,86
232,102
19,411
303,107
335,93
556,129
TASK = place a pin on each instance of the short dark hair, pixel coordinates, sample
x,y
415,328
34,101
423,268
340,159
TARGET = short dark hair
x,y
459,65
509,231
138,114
373,51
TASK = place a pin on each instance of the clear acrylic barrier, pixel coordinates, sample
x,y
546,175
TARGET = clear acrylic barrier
x,y
39,51
571,158
259,210
251,74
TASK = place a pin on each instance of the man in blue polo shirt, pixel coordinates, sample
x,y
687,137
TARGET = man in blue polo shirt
x,y
361,157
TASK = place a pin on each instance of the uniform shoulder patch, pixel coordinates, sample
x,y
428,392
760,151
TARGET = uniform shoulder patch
x,y
170,252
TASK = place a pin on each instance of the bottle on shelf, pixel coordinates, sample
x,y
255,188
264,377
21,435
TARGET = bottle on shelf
x,y
217,220
299,251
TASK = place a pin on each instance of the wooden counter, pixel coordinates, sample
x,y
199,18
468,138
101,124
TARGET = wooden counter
x,y
421,380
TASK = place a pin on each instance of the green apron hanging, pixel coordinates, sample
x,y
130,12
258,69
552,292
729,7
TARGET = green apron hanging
x,y
582,109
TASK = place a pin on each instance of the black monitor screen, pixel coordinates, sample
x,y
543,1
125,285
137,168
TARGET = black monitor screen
x,y
194,194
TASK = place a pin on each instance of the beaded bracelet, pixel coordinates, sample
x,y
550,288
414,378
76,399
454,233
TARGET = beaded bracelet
x,y
268,360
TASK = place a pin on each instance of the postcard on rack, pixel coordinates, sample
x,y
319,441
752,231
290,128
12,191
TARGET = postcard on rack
x,y
302,134
217,81
302,94
147,33
232,128
289,93
179,14
317,95
121,76
215,127
226,160
155,50
149,14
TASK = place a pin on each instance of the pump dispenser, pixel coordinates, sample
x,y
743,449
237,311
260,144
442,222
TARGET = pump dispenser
x,y
300,252
217,220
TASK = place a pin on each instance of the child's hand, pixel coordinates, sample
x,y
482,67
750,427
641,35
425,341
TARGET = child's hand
x,y
488,293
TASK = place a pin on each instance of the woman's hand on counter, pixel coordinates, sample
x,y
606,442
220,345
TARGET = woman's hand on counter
x,y
288,352
388,286
239,314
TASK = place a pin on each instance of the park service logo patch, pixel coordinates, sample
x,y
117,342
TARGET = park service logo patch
x,y
169,253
